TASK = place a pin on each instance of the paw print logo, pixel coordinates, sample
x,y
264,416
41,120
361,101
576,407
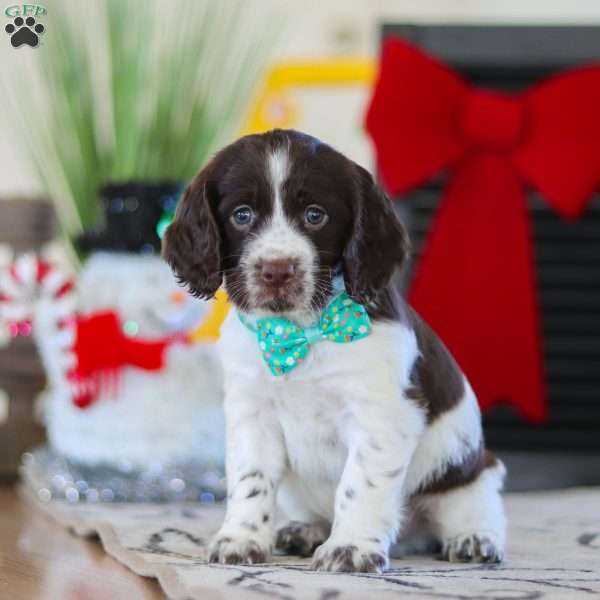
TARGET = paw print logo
x,y
24,31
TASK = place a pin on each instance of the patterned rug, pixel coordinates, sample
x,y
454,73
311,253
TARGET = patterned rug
x,y
553,553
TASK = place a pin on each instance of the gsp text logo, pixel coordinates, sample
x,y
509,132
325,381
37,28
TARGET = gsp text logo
x,y
24,29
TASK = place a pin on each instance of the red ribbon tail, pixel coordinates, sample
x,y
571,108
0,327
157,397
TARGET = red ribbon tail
x,y
476,287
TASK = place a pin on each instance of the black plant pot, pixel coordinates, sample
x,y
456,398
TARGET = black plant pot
x,y
133,212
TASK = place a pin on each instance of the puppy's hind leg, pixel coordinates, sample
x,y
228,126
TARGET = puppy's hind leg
x,y
468,519
301,538
303,530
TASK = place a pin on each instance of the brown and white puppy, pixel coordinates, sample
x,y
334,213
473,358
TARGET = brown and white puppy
x,y
363,440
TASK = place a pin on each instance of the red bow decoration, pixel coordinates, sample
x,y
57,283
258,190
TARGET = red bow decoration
x,y
475,283
101,349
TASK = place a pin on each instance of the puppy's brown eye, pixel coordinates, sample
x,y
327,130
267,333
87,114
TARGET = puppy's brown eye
x,y
315,217
242,216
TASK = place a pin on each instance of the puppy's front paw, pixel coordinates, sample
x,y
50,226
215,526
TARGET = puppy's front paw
x,y
237,550
350,557
472,548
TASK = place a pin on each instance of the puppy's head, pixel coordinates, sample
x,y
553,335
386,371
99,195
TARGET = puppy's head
x,y
277,216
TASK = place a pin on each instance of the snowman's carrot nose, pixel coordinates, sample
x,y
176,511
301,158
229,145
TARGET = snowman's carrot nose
x,y
177,297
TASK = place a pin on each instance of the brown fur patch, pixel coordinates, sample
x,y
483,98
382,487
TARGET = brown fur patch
x,y
388,305
462,474
437,381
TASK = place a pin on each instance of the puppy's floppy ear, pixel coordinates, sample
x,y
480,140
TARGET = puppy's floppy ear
x,y
379,243
192,243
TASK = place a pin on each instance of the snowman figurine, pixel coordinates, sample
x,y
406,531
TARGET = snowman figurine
x,y
133,407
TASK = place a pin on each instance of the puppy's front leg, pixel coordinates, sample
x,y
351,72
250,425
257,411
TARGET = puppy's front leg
x,y
255,459
382,436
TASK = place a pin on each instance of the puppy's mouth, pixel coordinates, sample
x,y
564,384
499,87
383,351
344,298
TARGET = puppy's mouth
x,y
279,298
279,305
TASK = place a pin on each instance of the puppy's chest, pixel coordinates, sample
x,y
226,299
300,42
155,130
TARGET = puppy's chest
x,y
312,403
312,421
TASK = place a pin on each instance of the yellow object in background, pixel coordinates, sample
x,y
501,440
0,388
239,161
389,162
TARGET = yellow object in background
x,y
208,330
274,107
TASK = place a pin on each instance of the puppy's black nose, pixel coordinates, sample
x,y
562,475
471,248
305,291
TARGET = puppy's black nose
x,y
277,272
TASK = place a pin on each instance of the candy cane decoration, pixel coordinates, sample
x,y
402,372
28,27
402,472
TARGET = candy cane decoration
x,y
36,294
30,280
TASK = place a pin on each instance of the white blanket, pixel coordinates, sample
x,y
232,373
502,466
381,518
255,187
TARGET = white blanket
x,y
553,553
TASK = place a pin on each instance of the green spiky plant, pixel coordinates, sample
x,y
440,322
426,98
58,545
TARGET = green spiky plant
x,y
126,90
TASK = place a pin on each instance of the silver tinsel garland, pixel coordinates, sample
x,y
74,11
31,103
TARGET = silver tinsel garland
x,y
51,476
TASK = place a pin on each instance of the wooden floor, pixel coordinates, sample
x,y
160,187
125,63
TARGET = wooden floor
x,y
41,561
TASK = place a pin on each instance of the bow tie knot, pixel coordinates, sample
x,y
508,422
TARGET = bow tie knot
x,y
284,345
313,334
492,119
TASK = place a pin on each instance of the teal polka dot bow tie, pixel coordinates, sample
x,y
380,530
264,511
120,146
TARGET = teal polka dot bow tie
x,y
284,344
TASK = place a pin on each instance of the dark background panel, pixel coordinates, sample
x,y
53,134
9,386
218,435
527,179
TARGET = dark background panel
x,y
567,254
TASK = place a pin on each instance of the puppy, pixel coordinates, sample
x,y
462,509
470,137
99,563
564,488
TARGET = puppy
x,y
355,442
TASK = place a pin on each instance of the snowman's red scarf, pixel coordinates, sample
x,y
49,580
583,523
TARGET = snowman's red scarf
x,y
102,349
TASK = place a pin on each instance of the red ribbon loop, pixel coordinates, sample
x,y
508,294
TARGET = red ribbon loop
x,y
475,283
